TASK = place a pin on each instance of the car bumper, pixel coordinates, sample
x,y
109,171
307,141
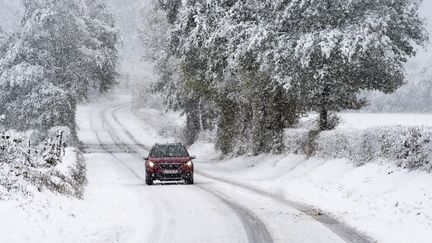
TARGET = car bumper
x,y
169,177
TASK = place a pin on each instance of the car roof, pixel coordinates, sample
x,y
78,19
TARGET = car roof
x,y
167,144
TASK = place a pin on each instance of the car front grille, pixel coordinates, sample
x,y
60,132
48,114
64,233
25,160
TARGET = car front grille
x,y
170,166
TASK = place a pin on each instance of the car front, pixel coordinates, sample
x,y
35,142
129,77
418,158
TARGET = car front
x,y
177,168
169,162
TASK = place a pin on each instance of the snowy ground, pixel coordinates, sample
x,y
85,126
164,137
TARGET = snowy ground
x,y
247,199
119,207
210,211
368,120
30,218
386,202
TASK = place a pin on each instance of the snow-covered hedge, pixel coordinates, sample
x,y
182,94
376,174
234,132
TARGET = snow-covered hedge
x,y
28,171
408,147
295,140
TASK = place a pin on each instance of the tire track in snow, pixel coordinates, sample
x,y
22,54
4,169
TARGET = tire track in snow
x,y
344,231
155,233
158,233
256,231
102,145
123,127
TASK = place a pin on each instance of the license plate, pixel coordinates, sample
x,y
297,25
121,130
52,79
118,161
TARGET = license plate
x,y
170,172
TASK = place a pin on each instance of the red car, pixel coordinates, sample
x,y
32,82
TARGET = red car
x,y
169,162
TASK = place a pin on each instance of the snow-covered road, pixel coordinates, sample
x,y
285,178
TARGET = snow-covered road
x,y
212,210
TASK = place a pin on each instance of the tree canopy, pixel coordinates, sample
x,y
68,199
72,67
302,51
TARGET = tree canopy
x,y
64,51
262,64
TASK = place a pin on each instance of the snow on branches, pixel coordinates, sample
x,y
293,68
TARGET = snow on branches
x,y
64,52
238,55
27,169
407,147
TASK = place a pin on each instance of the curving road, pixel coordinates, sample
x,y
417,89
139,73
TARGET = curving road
x,y
212,210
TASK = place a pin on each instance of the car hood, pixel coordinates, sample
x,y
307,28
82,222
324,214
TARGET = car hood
x,y
170,160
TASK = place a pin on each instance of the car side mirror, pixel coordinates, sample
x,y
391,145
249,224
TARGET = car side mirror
x,y
145,158
192,157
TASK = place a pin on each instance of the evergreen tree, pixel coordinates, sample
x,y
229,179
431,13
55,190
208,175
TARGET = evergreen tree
x,y
261,64
103,41
195,62
250,37
340,48
219,45
38,64
155,37
59,56
3,43
171,8
158,42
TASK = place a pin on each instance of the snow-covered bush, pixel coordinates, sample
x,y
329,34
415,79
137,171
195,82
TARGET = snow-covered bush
x,y
28,170
295,140
14,167
67,177
408,147
333,145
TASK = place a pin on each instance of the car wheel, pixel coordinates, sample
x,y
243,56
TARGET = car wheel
x,y
149,181
189,180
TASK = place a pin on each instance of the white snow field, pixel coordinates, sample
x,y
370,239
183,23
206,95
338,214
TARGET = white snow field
x,y
388,203
385,202
268,198
119,207
367,120
209,211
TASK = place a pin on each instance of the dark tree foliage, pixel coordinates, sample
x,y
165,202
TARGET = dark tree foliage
x,y
103,41
4,39
172,8
342,47
262,64
65,50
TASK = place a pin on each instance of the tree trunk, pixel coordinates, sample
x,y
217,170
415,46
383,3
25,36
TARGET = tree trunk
x,y
192,128
227,129
200,114
277,120
258,129
245,129
323,119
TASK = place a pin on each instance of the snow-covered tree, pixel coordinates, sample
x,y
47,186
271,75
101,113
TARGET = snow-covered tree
x,y
171,8
217,44
102,45
338,48
45,56
62,53
174,80
234,36
3,43
415,96
155,37
264,63
195,23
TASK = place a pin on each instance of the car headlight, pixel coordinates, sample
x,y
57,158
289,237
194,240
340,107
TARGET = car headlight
x,y
189,163
151,164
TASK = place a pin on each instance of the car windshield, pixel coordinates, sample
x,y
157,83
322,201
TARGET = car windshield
x,y
168,151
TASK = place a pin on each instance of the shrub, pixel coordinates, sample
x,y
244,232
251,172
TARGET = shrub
x,y
407,147
27,170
